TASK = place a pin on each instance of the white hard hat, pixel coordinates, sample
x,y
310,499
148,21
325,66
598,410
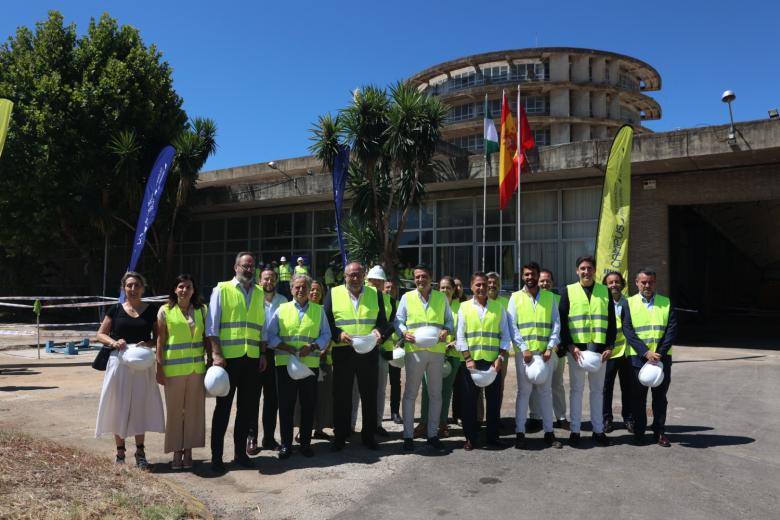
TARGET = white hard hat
x,y
300,259
537,371
377,273
398,357
446,370
138,358
426,337
364,344
590,361
297,369
216,382
652,375
283,259
483,378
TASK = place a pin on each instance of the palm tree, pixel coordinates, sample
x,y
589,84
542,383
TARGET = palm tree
x,y
193,148
392,139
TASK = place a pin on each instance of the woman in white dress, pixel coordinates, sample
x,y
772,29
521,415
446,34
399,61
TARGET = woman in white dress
x,y
130,403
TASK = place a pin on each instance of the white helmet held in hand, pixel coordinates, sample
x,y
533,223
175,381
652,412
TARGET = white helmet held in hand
x,y
216,382
297,369
426,337
652,375
398,357
537,370
483,378
590,361
138,358
364,344
446,370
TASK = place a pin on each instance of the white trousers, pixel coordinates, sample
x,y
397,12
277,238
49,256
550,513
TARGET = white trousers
x,y
416,364
381,389
558,393
524,389
596,383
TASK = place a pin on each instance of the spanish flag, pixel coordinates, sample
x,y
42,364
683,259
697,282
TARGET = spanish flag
x,y
507,167
5,118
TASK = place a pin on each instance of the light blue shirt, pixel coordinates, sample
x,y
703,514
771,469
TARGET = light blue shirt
x,y
215,309
273,327
648,303
400,312
270,307
503,327
555,334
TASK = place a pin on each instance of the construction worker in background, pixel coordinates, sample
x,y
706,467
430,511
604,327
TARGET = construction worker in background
x,y
376,278
300,268
285,275
330,275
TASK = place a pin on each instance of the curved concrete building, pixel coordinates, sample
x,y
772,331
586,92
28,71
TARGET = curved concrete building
x,y
569,94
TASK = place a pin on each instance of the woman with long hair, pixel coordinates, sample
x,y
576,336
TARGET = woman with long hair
x,y
180,368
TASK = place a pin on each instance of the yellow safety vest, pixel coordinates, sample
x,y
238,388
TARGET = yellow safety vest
x,y
301,269
354,323
454,352
588,320
298,333
504,301
619,350
649,325
390,343
418,316
483,337
284,273
240,329
184,348
534,321
330,277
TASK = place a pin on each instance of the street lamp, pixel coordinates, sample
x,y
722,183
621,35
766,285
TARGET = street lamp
x,y
727,97
273,166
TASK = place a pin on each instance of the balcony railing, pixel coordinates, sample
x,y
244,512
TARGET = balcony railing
x,y
478,79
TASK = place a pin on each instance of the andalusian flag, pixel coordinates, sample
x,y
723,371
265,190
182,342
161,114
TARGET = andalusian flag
x,y
507,168
491,136
5,119
612,238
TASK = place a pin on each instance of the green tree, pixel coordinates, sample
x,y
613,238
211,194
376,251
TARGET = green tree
x,y
90,115
392,136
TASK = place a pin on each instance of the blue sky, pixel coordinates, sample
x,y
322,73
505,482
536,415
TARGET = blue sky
x,y
264,71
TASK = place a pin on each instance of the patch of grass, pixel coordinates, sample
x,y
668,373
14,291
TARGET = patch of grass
x,y
41,479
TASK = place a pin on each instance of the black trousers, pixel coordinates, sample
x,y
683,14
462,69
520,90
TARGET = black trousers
x,y
244,381
469,397
457,391
269,395
348,364
659,402
291,390
620,368
395,389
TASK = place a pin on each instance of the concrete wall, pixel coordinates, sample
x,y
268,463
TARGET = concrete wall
x,y
598,67
560,133
559,67
598,103
580,69
614,72
580,103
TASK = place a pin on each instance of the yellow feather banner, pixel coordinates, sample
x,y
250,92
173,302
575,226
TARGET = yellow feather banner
x,y
5,119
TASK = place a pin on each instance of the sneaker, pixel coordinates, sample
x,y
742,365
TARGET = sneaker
x,y
551,441
520,443
574,439
601,439
408,445
436,445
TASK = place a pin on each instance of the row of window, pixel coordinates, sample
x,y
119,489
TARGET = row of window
x,y
493,75
533,105
475,143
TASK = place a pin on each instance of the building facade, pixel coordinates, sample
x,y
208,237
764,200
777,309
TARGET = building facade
x,y
568,94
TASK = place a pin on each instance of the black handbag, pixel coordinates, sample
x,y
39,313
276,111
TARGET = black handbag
x,y
101,360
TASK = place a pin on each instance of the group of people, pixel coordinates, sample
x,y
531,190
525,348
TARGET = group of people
x,y
349,336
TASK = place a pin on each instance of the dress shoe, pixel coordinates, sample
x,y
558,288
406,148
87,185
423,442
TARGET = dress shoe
x,y
371,444
468,446
437,446
533,425
609,427
307,452
551,441
218,467
337,445
382,432
630,426
520,443
663,441
574,439
444,432
252,448
408,445
244,462
601,439
563,424
420,430
284,452
298,437
321,435
270,444
396,418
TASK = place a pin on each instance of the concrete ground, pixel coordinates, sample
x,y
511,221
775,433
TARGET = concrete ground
x,y
724,461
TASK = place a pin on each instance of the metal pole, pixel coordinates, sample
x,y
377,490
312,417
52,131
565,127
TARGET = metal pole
x,y
38,326
500,242
484,210
519,176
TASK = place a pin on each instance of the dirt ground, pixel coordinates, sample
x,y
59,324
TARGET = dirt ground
x,y
57,397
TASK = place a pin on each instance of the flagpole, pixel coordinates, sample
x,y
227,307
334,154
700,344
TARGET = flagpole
x,y
519,179
484,194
